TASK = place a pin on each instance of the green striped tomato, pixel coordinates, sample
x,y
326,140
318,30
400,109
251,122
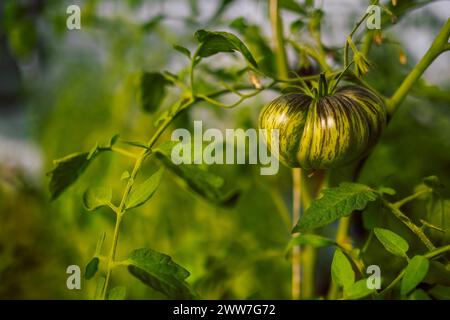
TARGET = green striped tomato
x,y
325,132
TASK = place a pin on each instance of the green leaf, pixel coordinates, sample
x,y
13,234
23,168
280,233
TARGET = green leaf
x,y
415,272
117,293
341,270
91,268
440,292
94,198
143,192
335,203
296,26
67,170
153,90
158,271
392,242
312,240
201,181
419,294
182,50
358,290
214,42
387,190
293,6
152,23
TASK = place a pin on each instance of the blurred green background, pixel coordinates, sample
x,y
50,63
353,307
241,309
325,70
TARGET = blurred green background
x,y
62,91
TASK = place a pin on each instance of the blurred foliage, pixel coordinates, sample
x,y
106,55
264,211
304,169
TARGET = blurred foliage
x,y
81,87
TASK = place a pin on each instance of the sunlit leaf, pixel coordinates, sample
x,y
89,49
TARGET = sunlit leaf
x,y
415,272
341,270
358,290
144,191
392,242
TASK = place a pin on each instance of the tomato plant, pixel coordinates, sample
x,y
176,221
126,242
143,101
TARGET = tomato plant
x,y
331,112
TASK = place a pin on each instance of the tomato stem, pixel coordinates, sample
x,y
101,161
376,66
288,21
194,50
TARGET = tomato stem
x,y
439,45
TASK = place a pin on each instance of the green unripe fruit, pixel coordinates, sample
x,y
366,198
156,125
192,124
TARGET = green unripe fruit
x,y
327,131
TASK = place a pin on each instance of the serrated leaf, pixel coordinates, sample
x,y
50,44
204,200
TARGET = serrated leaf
x,y
341,270
153,90
312,240
117,293
182,50
91,268
415,272
220,41
358,290
335,203
202,182
160,272
392,242
94,198
144,191
67,170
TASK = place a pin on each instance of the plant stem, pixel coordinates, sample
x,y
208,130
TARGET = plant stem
x,y
278,36
415,229
282,70
350,36
296,250
412,197
112,254
121,210
428,255
439,45
124,152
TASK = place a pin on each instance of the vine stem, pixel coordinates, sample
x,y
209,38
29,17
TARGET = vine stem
x,y
439,45
415,229
121,209
428,255
278,36
282,70
347,43
296,250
